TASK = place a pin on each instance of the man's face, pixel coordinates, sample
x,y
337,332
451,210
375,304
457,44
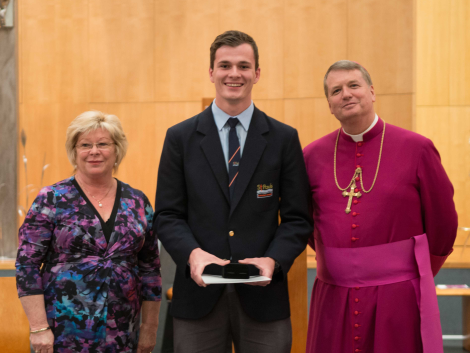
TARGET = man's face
x,y
234,74
349,95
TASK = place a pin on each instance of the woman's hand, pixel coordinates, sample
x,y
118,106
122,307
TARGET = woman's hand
x,y
42,342
147,338
35,310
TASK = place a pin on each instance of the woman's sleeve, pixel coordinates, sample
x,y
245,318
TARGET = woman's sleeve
x,y
149,260
34,238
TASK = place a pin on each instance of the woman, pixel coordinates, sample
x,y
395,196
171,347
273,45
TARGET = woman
x,y
92,235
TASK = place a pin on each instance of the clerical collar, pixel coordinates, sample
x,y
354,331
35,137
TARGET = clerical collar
x,y
360,137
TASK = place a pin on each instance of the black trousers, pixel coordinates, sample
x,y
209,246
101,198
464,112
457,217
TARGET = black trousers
x,y
228,323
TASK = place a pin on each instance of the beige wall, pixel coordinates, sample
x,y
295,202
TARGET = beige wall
x,y
443,95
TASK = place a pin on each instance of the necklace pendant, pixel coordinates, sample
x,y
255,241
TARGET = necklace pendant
x,y
351,194
100,204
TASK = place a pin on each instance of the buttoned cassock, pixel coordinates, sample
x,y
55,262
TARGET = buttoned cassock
x,y
193,210
412,196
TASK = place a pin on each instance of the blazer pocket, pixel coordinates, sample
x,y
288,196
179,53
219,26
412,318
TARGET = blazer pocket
x,y
264,190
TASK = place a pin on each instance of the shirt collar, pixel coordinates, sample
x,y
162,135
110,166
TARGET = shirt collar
x,y
221,117
359,137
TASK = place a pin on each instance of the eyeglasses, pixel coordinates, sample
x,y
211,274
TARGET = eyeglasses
x,y
86,147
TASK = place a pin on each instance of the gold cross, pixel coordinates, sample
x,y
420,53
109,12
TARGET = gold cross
x,y
351,194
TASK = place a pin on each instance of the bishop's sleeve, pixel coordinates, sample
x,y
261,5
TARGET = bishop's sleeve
x,y
34,239
437,206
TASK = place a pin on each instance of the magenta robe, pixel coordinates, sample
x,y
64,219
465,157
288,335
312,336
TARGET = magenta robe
x,y
412,196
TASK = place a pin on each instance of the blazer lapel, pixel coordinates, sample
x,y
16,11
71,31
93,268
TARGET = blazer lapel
x,y
212,148
254,147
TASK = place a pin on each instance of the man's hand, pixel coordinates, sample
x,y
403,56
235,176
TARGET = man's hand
x,y
265,266
198,260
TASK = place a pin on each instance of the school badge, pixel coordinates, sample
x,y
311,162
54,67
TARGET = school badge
x,y
264,190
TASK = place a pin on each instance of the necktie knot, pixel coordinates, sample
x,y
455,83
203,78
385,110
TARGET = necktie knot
x,y
233,122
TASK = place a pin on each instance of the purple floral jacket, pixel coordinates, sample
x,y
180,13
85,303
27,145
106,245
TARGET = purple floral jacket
x,y
93,290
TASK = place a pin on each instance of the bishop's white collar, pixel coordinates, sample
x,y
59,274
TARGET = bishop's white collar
x,y
359,137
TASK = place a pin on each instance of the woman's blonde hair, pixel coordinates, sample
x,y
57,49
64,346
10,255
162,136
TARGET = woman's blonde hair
x,y
90,121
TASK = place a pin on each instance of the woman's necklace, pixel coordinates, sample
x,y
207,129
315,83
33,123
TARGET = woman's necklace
x,y
99,201
357,173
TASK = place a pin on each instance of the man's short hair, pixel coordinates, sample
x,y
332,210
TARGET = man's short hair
x,y
233,39
348,66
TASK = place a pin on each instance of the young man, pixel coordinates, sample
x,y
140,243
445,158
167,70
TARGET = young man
x,y
385,222
225,175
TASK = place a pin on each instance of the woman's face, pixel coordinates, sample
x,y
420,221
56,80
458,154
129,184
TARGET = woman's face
x,y
96,153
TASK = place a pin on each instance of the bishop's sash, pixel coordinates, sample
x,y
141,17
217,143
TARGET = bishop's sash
x,y
385,264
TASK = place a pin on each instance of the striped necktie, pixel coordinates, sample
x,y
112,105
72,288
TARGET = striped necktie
x,y
234,154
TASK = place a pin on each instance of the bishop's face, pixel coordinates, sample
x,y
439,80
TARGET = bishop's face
x,y
349,96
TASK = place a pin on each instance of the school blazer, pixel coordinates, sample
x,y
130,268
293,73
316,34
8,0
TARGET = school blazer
x,y
193,209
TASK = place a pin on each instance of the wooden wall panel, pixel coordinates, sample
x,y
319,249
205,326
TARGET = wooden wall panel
x,y
460,53
380,37
396,109
14,326
53,51
272,107
184,31
121,51
312,42
433,45
297,281
459,169
433,122
443,97
299,113
45,126
264,21
311,117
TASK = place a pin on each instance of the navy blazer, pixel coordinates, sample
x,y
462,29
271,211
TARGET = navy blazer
x,y
193,210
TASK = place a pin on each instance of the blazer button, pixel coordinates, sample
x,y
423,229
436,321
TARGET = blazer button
x,y
231,233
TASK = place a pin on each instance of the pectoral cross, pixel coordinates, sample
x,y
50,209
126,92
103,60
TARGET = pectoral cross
x,y
351,194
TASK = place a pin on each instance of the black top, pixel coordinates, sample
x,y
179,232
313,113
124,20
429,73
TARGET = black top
x,y
108,226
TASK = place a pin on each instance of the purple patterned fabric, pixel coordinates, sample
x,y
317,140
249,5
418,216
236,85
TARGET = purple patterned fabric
x,y
93,290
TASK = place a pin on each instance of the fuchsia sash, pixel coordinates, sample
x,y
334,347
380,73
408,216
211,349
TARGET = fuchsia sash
x,y
385,264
